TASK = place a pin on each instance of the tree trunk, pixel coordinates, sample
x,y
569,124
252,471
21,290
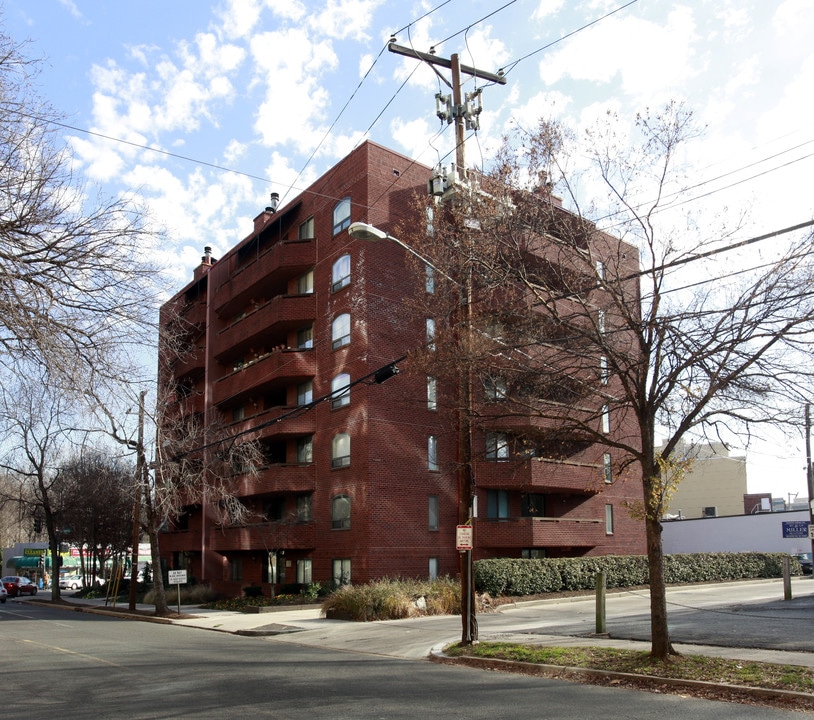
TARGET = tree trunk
x,y
661,647
161,607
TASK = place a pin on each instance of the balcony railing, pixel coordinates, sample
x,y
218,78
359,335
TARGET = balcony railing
x,y
284,260
277,479
274,369
264,537
540,475
527,532
271,320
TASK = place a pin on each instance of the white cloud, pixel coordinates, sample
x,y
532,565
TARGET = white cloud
x,y
342,19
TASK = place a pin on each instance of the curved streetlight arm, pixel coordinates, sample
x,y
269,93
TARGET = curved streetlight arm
x,y
370,233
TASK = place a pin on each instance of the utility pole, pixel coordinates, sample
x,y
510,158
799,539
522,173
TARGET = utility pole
x,y
809,478
140,470
461,109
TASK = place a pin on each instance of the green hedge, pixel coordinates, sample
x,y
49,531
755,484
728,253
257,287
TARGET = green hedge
x,y
514,577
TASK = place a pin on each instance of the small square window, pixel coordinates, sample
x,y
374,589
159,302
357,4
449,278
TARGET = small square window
x,y
306,230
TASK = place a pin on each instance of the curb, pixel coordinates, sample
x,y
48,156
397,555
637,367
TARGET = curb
x,y
607,677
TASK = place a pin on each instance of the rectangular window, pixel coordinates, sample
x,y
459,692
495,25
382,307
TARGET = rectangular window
x,y
497,504
711,511
306,231
607,468
305,337
341,571
432,393
608,519
532,553
497,446
304,508
238,413
429,282
305,393
304,571
604,371
600,320
432,512
432,452
431,333
305,449
433,568
600,269
605,419
236,569
495,388
305,283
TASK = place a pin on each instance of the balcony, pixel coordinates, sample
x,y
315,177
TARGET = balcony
x,y
178,541
277,479
190,364
262,327
282,261
275,369
528,532
541,475
263,537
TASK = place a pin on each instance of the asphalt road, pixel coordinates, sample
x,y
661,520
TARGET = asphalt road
x,y
79,665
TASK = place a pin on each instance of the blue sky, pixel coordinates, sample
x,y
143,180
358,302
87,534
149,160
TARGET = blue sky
x,y
279,90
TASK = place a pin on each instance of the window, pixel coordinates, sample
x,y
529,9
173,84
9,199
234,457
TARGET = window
x,y
431,333
305,283
497,504
340,331
497,446
236,569
608,519
340,512
304,507
432,512
305,449
600,269
340,451
305,337
304,571
340,390
532,505
429,281
607,468
305,393
430,221
341,571
600,321
238,413
605,419
342,215
532,553
432,393
495,388
274,509
432,452
306,231
340,273
604,372
711,511
433,568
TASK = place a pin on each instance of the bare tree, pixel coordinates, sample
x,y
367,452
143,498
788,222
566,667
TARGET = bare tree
x,y
76,291
97,492
612,341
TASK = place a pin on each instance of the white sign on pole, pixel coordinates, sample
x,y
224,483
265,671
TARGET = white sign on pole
x,y
811,531
463,537
177,577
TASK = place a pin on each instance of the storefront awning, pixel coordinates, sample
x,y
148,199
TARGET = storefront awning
x,y
26,561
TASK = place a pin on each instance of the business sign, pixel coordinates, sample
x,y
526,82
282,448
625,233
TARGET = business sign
x,y
796,529
28,552
463,537
177,577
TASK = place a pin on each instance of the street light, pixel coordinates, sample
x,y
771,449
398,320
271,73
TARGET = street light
x,y
469,631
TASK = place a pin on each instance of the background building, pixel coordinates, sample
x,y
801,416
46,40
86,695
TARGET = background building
x,y
362,484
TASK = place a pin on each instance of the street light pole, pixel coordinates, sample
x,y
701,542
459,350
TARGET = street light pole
x,y
465,483
140,468
809,478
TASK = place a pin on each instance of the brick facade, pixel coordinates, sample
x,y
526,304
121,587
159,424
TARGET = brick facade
x,y
251,358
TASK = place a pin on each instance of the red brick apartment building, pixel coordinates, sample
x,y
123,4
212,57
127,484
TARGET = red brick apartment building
x,y
363,485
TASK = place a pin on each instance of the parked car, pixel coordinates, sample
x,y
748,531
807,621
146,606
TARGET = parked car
x,y
805,562
71,582
3,593
16,585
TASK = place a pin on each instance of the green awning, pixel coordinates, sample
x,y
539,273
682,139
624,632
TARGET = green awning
x,y
27,561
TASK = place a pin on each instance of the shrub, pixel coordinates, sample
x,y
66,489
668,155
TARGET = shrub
x,y
516,577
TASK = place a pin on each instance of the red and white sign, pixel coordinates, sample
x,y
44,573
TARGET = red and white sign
x,y
463,537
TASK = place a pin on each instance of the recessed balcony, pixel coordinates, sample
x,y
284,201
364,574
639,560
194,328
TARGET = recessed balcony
x,y
277,479
275,369
273,268
529,532
263,536
540,475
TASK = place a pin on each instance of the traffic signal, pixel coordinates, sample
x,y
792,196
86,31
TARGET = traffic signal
x,y
37,525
